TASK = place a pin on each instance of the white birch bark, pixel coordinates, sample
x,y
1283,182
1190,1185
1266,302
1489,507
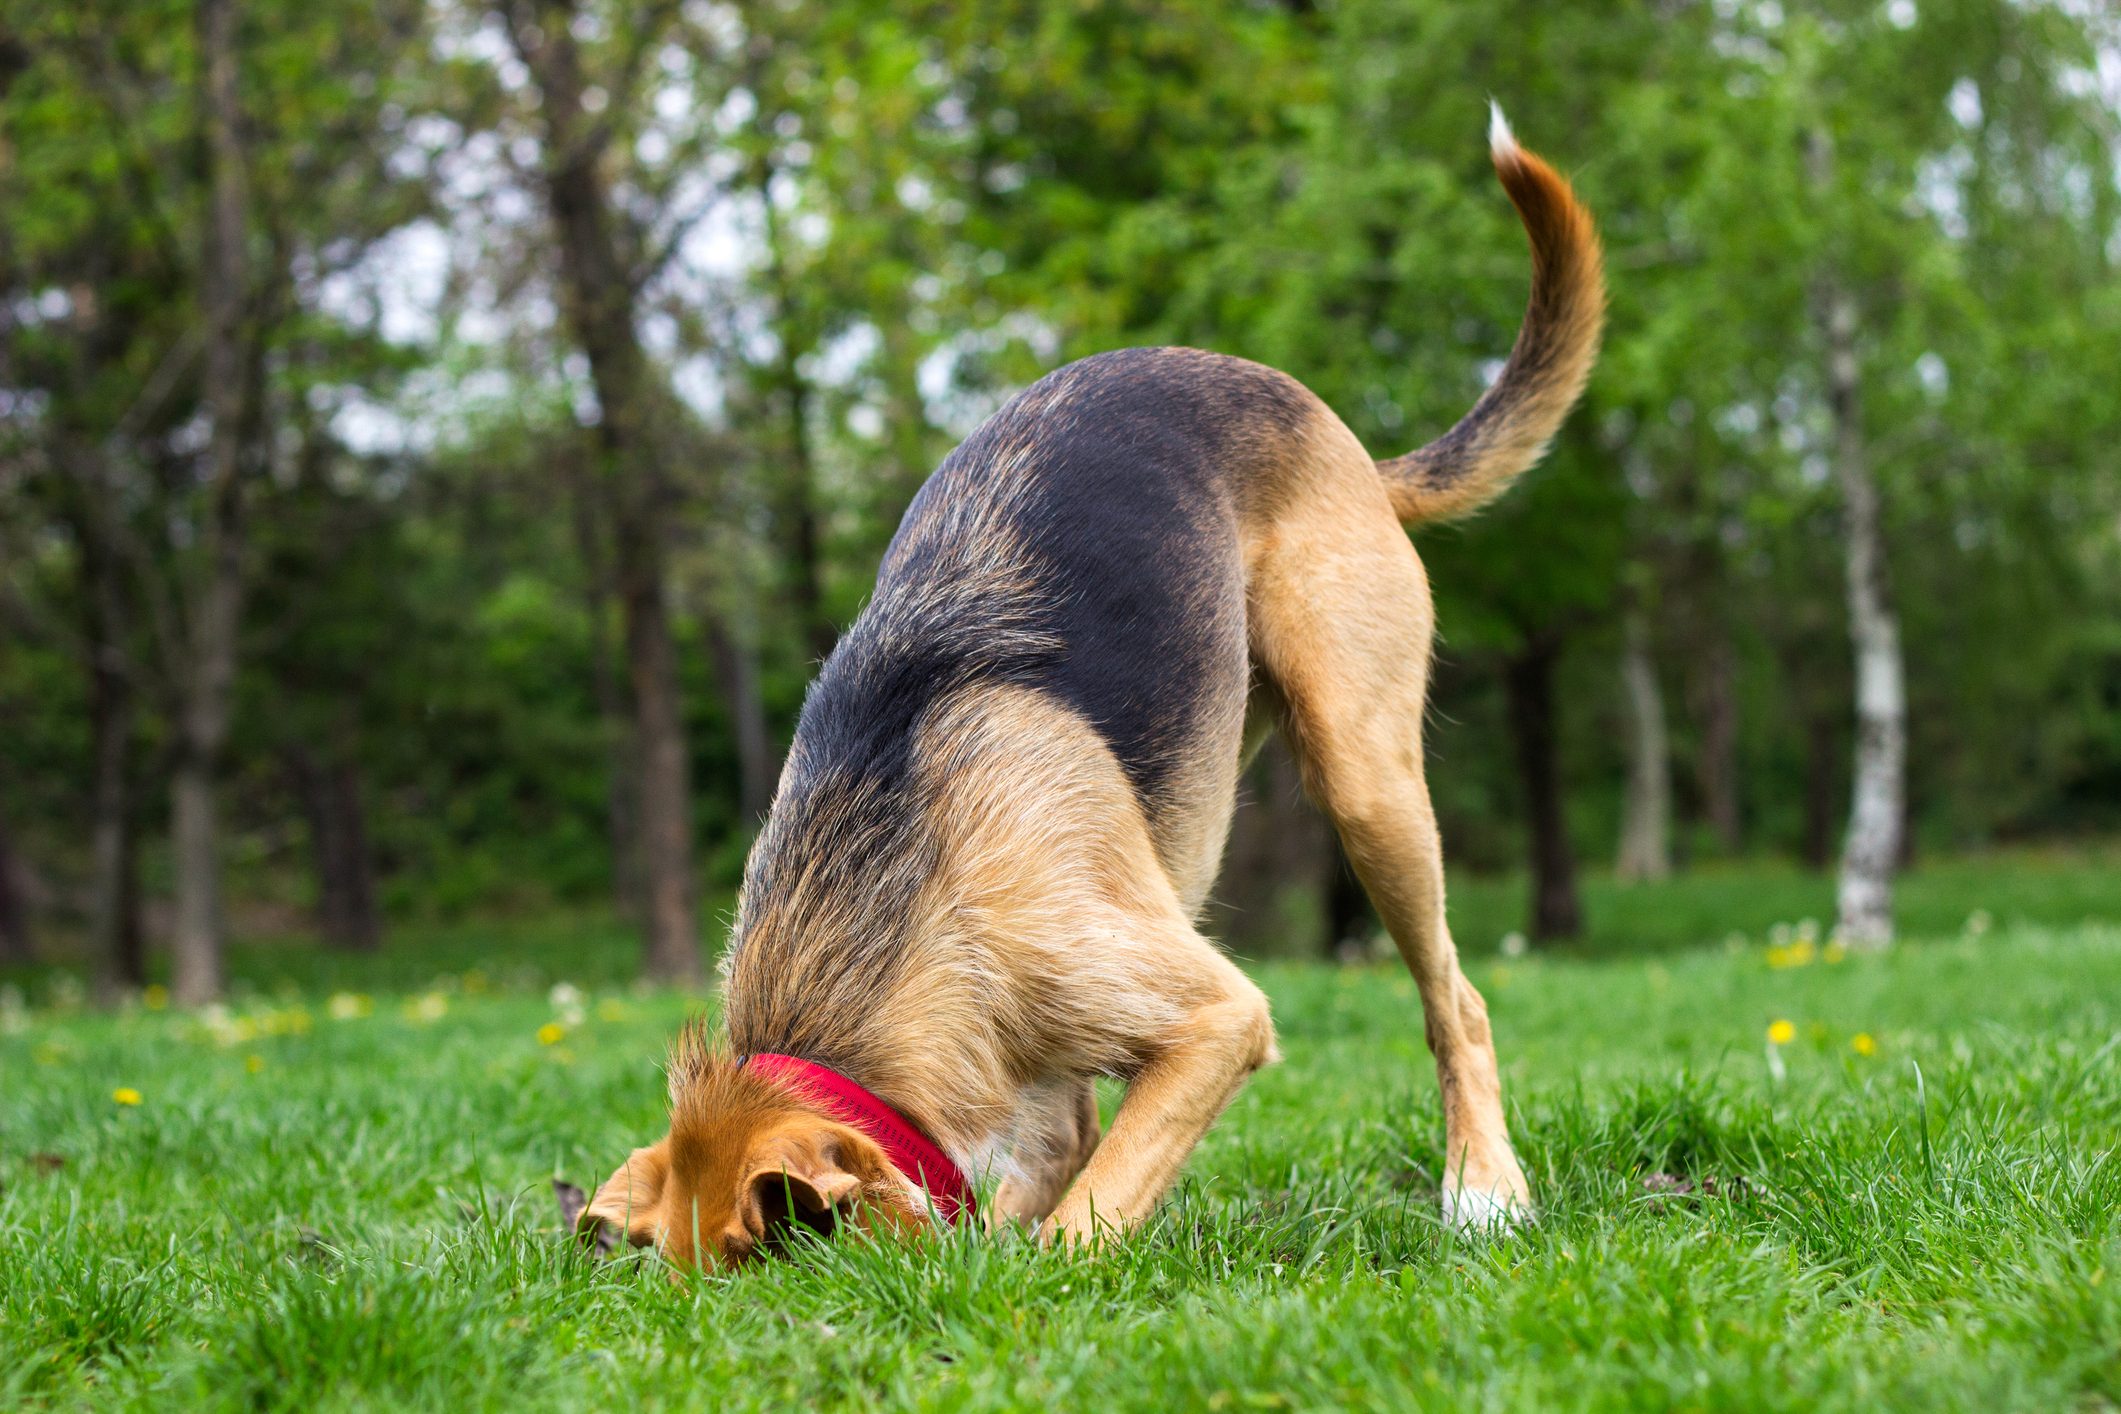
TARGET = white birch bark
x,y
1871,852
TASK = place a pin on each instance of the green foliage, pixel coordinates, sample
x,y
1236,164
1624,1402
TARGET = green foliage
x,y
910,214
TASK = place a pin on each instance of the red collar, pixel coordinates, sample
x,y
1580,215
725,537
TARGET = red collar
x,y
911,1152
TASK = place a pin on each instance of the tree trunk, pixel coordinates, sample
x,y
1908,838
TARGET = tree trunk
x,y
1871,850
116,942
207,673
666,788
115,939
195,943
1275,892
1528,681
202,735
1646,819
1719,739
805,549
1819,748
597,286
16,944
338,833
800,500
736,667
622,791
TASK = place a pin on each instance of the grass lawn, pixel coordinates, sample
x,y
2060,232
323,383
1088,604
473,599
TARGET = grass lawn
x,y
322,1203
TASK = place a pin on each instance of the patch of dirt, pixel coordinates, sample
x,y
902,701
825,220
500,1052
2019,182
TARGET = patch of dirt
x,y
1673,1185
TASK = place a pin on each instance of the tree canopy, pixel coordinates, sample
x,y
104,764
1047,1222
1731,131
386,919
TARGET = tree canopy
x,y
532,387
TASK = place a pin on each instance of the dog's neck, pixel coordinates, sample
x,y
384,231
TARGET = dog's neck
x,y
941,1077
893,930
855,950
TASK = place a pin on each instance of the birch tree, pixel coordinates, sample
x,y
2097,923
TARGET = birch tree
x,y
1870,851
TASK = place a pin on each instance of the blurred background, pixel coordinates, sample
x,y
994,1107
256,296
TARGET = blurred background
x,y
439,440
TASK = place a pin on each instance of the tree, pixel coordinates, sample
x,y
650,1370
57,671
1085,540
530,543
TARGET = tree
x,y
603,265
1871,850
221,154
203,662
1645,832
1888,265
98,290
716,284
15,940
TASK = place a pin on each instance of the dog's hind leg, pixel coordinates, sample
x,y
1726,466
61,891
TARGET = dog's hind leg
x,y
1341,621
1055,1138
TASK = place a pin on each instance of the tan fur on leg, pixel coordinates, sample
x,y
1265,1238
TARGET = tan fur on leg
x,y
1341,622
1171,1103
1057,1132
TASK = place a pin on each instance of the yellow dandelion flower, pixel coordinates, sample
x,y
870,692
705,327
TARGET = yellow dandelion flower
x,y
254,1063
1781,1032
551,1034
126,1095
1864,1044
155,998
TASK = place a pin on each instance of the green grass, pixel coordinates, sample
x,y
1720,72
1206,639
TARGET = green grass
x,y
2058,885
361,1217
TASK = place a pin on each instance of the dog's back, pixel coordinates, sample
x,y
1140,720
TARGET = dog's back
x,y
1098,515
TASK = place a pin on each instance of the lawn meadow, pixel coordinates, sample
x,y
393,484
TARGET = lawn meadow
x,y
1770,1175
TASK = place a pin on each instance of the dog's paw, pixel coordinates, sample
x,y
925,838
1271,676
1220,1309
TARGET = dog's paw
x,y
1473,1210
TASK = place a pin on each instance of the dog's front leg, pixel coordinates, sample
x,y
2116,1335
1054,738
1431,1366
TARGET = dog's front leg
x,y
1187,1081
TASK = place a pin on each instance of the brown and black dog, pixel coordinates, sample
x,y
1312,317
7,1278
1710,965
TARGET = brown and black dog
x,y
1010,785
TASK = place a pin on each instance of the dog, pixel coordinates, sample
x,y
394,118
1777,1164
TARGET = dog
x,y
1010,785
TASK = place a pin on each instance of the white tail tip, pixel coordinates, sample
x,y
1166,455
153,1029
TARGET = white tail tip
x,y
1501,141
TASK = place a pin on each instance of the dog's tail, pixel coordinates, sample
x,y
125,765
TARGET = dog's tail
x,y
1509,428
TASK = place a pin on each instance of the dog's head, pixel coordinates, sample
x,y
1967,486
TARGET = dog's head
x,y
744,1165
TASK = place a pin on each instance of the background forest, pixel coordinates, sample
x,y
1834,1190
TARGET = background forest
x,y
439,440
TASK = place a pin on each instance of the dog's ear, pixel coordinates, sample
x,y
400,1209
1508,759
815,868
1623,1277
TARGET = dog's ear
x,y
624,1208
813,1173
